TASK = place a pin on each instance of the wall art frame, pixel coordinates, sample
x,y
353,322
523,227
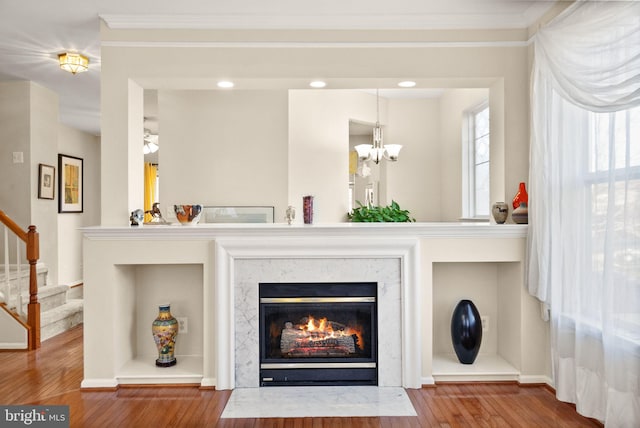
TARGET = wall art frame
x,y
46,181
71,186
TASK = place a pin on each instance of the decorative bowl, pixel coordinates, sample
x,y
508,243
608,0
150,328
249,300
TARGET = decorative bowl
x,y
188,214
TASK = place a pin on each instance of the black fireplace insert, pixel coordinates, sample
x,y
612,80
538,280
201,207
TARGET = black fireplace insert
x,y
318,334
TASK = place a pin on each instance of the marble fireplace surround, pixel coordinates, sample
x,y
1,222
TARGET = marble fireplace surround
x,y
243,263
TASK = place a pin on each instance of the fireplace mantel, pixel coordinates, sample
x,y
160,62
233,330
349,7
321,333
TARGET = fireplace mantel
x,y
129,269
209,231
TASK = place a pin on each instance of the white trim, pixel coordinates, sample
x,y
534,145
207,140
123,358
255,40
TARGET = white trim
x,y
99,383
209,232
526,379
208,382
319,44
228,250
361,21
428,380
477,377
14,345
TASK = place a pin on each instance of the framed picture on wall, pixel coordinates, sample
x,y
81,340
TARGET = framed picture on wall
x,y
71,186
46,181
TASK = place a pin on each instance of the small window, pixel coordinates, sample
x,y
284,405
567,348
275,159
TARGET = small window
x,y
476,160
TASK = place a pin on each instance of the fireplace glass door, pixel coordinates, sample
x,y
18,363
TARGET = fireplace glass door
x,y
318,334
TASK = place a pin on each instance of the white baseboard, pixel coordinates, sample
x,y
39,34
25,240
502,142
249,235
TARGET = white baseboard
x,y
524,379
14,345
98,383
208,382
427,380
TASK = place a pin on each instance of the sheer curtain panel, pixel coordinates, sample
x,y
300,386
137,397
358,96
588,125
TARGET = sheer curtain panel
x,y
584,216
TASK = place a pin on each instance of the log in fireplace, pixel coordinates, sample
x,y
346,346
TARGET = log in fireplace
x,y
318,334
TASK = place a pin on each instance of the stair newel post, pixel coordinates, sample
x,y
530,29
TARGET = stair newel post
x,y
33,312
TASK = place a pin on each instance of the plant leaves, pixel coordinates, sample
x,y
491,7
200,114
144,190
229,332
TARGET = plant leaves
x,y
389,213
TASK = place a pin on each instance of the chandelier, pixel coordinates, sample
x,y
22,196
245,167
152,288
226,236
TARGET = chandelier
x,y
378,151
73,62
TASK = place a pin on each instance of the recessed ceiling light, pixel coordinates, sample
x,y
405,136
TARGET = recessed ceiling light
x,y
225,84
318,84
407,84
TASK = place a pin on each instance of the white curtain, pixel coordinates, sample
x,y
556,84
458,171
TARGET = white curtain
x,y
584,211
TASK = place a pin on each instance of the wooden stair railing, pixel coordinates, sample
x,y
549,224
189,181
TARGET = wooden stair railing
x,y
32,240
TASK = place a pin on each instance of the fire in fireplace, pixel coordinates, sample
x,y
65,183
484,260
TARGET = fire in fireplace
x,y
318,334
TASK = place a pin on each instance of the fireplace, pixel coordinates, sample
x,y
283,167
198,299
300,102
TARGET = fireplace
x,y
318,334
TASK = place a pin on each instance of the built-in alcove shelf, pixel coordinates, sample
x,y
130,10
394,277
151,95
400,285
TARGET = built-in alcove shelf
x,y
486,368
496,290
141,288
143,370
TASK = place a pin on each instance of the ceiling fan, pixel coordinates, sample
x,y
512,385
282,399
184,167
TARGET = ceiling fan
x,y
150,142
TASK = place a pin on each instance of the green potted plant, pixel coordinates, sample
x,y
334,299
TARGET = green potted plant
x,y
370,214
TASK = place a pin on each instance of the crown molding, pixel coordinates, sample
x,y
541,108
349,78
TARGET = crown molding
x,y
295,44
324,21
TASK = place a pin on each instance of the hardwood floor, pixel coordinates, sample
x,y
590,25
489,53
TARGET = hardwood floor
x,y
52,374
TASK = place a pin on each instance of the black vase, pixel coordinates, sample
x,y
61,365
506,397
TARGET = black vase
x,y
466,331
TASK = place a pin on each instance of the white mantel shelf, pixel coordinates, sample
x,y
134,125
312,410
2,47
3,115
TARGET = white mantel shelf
x,y
398,230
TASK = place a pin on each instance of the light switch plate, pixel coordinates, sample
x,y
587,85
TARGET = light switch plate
x,y
18,157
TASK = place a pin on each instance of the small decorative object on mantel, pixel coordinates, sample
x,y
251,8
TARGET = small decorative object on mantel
x,y
188,215
521,196
165,329
307,209
521,214
156,215
137,217
372,214
290,214
466,331
500,211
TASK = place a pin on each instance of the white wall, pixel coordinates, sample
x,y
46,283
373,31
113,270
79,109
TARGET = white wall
x,y
223,148
43,143
15,178
69,246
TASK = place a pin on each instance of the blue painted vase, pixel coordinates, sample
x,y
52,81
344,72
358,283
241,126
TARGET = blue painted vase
x,y
466,331
165,330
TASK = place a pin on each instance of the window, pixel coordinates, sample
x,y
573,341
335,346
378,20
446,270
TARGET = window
x,y
475,140
612,189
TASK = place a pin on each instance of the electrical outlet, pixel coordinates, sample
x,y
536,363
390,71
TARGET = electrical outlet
x,y
183,326
484,319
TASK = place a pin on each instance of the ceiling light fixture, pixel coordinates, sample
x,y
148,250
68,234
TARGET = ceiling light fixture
x,y
73,62
378,151
318,84
150,143
407,84
225,84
